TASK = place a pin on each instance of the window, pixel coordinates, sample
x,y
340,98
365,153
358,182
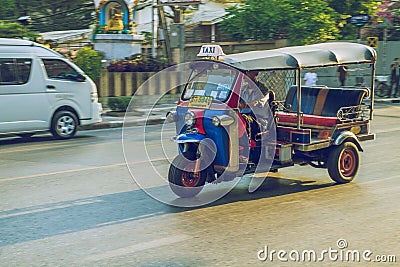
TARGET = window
x,y
58,69
15,70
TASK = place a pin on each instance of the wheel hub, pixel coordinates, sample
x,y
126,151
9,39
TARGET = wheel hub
x,y
65,125
347,162
190,179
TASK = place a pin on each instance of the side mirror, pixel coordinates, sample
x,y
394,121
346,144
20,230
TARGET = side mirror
x,y
76,77
80,78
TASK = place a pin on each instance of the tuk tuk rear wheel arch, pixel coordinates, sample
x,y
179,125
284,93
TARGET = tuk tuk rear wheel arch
x,y
348,136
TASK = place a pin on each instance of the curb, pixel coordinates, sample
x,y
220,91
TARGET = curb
x,y
388,100
121,123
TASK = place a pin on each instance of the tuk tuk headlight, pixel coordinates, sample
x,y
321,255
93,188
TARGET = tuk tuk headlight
x,y
190,118
215,121
223,120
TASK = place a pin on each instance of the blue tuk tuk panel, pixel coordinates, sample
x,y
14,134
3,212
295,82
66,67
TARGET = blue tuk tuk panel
x,y
205,128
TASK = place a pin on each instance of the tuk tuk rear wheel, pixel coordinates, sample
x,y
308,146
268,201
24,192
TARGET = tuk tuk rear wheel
x,y
183,181
343,162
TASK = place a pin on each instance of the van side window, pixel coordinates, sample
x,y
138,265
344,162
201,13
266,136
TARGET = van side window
x,y
15,70
58,69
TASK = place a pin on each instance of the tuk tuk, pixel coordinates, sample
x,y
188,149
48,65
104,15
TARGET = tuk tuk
x,y
219,134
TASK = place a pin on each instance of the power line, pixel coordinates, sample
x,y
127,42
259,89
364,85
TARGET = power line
x,y
65,11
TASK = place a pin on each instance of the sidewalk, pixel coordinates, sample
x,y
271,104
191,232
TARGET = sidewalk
x,y
383,100
156,115
139,117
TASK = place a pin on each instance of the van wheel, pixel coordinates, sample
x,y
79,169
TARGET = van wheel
x,y
64,124
344,162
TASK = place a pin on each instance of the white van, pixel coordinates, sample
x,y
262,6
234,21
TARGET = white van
x,y
40,90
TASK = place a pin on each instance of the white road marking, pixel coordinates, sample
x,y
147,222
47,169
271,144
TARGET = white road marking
x,y
130,219
77,203
77,170
137,247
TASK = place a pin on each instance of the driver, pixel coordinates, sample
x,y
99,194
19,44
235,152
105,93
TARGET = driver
x,y
255,96
254,100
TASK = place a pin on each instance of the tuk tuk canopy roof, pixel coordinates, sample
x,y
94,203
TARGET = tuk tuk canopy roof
x,y
302,57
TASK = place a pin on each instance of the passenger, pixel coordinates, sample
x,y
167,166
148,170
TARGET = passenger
x,y
342,72
310,78
394,77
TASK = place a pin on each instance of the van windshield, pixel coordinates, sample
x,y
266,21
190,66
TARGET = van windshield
x,y
214,82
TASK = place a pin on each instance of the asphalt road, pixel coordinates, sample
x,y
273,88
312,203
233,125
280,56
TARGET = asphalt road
x,y
75,203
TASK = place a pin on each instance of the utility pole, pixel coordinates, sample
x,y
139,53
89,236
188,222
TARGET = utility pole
x,y
359,21
385,25
153,29
163,25
177,38
181,34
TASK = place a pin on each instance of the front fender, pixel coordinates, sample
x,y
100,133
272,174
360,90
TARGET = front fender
x,y
348,136
188,138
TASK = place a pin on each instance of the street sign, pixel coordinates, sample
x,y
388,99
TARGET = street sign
x,y
372,41
177,35
359,20
178,2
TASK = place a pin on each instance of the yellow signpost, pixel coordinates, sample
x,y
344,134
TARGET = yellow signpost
x,y
372,41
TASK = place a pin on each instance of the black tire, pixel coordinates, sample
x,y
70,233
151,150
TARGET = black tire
x,y
183,182
64,125
343,162
381,90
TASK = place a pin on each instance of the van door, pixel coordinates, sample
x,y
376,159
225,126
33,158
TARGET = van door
x,y
66,86
24,106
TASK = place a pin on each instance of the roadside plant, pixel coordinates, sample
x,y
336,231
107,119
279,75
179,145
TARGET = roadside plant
x,y
89,60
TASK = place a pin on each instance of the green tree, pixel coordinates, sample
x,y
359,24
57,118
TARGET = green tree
x,y
51,15
385,15
89,61
352,7
310,22
7,9
301,21
348,8
13,29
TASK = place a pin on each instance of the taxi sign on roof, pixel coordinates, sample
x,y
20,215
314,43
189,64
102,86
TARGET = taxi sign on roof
x,y
210,51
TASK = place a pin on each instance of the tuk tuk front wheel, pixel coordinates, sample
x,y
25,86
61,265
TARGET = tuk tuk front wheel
x,y
183,179
344,162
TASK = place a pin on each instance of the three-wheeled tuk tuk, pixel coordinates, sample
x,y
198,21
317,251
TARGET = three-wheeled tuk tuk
x,y
221,135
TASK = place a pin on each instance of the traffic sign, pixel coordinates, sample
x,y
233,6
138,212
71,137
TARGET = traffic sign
x,y
372,41
178,2
359,20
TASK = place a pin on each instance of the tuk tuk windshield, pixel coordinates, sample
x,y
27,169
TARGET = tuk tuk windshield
x,y
215,82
